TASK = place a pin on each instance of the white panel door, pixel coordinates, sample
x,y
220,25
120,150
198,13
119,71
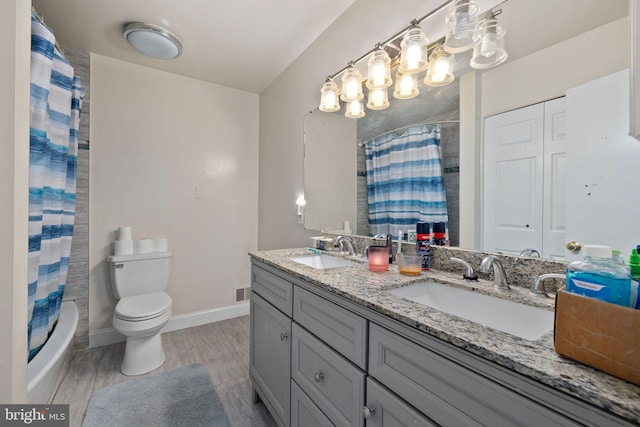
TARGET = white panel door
x,y
513,170
602,166
555,164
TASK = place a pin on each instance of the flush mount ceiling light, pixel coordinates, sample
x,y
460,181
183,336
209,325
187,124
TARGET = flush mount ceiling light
x,y
152,40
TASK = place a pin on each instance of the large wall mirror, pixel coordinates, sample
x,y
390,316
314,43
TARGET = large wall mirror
x,y
553,46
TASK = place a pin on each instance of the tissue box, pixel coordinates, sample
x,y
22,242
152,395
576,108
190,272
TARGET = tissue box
x,y
602,335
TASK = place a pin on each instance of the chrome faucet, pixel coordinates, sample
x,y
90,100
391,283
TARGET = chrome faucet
x,y
469,274
500,277
340,241
537,287
530,252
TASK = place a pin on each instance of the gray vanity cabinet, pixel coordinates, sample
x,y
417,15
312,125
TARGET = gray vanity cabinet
x,y
320,360
270,342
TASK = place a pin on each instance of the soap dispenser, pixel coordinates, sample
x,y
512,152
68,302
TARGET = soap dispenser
x,y
599,276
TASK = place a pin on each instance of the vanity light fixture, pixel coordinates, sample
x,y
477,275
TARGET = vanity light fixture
x,y
462,26
490,52
413,54
440,72
379,71
355,109
300,204
351,85
152,40
463,34
329,96
378,98
406,86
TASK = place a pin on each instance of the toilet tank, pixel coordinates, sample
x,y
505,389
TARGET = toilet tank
x,y
139,273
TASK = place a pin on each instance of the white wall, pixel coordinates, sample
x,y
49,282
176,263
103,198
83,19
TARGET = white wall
x,y
174,157
15,30
540,76
297,91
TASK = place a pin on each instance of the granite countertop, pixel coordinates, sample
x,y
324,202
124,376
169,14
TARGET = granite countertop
x,y
534,359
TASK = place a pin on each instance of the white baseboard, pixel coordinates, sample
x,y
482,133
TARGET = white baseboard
x,y
106,336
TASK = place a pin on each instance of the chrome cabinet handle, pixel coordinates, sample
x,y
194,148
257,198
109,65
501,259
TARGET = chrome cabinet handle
x,y
318,376
368,412
284,336
118,265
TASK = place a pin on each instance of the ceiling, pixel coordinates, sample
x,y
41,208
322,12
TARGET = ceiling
x,y
243,44
246,44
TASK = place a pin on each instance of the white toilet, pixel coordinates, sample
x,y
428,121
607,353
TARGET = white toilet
x,y
139,282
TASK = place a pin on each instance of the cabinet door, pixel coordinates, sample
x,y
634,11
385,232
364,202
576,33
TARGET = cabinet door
x,y
304,413
385,409
270,357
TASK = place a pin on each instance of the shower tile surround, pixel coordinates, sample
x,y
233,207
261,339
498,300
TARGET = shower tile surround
x,y
77,287
536,360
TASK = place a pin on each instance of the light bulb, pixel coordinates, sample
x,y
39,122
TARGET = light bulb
x,y
378,99
355,110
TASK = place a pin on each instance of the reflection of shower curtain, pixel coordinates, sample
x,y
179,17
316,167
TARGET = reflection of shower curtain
x,y
404,180
56,97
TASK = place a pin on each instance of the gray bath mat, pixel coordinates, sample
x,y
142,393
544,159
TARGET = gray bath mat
x,y
180,397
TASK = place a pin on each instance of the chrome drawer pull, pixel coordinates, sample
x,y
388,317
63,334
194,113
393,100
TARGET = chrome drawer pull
x,y
118,265
318,376
284,336
368,412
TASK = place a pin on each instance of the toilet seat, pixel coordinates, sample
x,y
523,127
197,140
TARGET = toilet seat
x,y
143,307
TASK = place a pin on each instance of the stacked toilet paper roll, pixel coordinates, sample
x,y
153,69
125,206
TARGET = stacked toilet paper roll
x,y
143,246
160,244
124,244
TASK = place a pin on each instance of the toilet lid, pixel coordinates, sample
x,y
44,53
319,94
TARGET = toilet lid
x,y
143,307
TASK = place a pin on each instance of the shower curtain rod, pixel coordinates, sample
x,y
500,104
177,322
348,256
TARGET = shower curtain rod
x,y
41,20
438,122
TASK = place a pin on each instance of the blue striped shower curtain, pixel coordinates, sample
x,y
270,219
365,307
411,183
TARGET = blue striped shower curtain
x,y
404,180
56,98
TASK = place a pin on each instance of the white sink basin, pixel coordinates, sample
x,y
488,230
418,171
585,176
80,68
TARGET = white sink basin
x,y
520,320
322,262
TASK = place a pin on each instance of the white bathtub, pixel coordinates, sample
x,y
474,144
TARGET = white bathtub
x,y
50,364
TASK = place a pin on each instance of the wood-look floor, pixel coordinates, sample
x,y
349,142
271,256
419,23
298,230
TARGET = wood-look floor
x,y
223,347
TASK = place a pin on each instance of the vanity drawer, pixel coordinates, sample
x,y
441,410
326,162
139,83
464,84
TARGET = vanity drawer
x,y
304,413
334,384
343,330
447,392
273,288
385,409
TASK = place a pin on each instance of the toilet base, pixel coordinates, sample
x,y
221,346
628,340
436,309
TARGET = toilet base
x,y
142,355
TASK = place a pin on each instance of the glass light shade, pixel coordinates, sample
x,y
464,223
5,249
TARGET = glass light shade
x,y
378,99
329,97
152,40
379,73
440,71
355,109
351,85
406,86
462,26
490,52
413,53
